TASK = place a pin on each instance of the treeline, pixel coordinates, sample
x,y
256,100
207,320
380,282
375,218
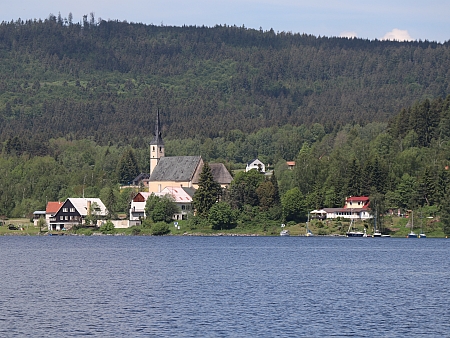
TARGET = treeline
x,y
104,80
402,164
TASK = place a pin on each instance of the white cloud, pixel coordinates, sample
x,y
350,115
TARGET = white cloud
x,y
398,35
348,35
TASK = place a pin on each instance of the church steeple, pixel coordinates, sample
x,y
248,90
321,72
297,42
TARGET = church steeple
x,y
157,139
156,146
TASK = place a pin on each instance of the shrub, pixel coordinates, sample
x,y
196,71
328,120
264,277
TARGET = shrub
x,y
135,231
160,228
107,228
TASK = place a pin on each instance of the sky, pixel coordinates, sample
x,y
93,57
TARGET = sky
x,y
380,19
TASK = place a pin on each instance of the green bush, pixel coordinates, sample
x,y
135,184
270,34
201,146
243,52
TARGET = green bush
x,y
107,228
160,228
135,231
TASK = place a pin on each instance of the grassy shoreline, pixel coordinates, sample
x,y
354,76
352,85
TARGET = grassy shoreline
x,y
395,226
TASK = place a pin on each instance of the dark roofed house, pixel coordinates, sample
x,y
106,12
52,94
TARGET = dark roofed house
x,y
141,179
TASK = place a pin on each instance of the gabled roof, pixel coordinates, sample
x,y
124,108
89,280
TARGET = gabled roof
x,y
218,171
357,199
254,160
53,207
176,168
141,196
140,177
81,205
178,194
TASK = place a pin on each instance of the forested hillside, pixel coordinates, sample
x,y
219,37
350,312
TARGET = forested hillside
x,y
78,103
104,80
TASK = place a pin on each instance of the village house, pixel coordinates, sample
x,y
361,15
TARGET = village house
x,y
51,210
49,213
290,164
182,197
355,207
255,164
74,212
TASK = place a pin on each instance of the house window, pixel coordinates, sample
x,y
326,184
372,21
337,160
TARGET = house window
x,y
160,149
183,207
61,218
65,209
72,209
66,218
153,149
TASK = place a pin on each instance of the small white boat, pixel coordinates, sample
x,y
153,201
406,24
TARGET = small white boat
x,y
377,233
422,236
412,234
285,233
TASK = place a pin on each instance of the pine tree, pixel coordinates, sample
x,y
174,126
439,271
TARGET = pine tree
x,y
208,192
354,179
127,168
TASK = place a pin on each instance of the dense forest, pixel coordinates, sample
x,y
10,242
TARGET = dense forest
x,y
104,80
78,104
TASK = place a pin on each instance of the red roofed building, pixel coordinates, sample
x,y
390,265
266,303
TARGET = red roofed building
x,y
357,202
355,207
51,210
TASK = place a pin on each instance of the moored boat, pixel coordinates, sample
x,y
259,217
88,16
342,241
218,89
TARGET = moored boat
x,y
412,234
285,233
352,233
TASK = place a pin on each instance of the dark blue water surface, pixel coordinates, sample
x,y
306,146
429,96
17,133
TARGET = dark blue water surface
x,y
118,286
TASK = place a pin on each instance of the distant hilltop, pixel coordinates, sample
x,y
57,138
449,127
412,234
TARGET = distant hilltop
x,y
101,79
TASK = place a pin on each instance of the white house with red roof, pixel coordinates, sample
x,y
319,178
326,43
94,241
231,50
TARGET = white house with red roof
x,y
137,208
355,207
51,210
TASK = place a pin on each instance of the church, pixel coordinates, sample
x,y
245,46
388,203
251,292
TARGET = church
x,y
178,171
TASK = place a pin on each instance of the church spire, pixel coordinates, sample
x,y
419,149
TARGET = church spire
x,y
156,146
157,140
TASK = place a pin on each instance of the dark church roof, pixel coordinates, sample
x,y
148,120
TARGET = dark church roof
x,y
157,140
219,172
175,168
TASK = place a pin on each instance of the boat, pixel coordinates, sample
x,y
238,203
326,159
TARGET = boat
x,y
285,233
421,235
352,233
376,232
308,232
412,234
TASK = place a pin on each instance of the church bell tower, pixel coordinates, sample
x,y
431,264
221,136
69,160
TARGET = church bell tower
x,y
156,146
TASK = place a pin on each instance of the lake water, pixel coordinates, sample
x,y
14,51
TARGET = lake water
x,y
125,286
